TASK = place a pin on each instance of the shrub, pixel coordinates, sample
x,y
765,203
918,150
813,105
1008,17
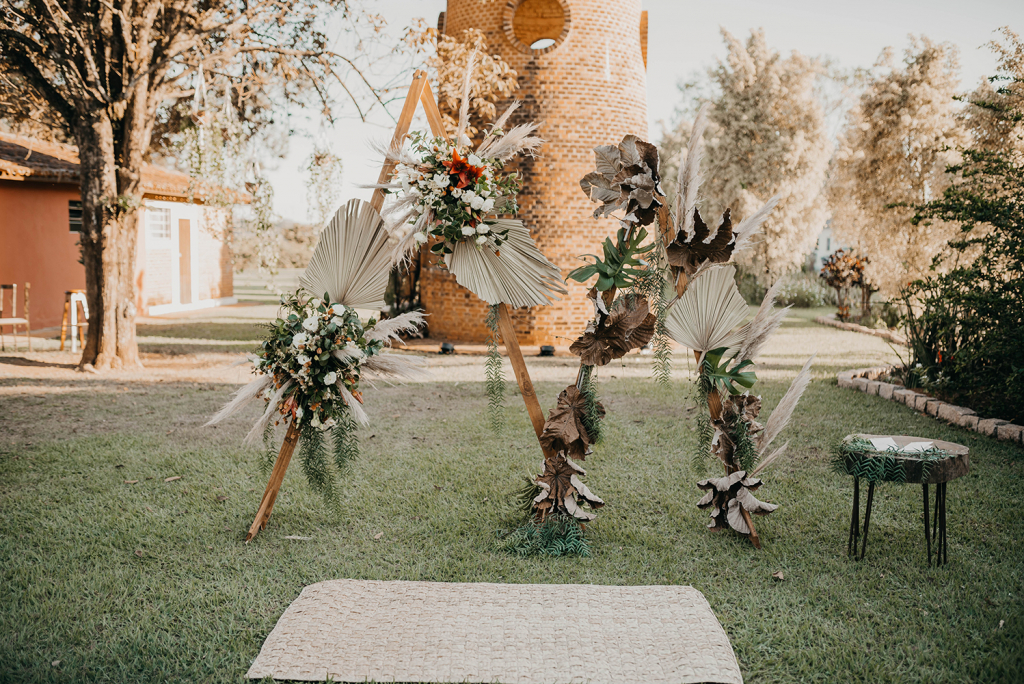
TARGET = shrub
x,y
804,291
965,324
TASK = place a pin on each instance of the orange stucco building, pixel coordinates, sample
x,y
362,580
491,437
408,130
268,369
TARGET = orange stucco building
x,y
183,260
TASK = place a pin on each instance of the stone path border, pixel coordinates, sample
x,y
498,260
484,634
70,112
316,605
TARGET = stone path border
x,y
866,380
830,320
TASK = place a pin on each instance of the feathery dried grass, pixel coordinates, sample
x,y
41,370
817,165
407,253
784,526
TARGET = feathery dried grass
x,y
389,329
784,411
763,326
749,226
241,398
690,176
256,433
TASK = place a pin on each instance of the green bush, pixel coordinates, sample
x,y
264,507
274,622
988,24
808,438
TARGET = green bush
x,y
965,321
805,291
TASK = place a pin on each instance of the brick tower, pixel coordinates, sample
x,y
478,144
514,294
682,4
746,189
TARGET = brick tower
x,y
581,66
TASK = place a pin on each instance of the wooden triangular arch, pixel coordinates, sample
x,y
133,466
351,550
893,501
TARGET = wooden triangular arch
x,y
419,93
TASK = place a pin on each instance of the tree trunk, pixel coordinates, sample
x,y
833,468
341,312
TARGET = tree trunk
x,y
109,240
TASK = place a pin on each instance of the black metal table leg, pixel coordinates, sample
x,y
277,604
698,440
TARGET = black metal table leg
x,y
943,548
927,537
867,519
851,544
935,514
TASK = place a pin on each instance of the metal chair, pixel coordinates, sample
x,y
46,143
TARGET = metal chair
x,y
14,320
73,299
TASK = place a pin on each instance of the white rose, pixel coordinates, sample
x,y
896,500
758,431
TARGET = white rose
x,y
468,230
311,323
337,309
302,359
420,238
330,378
468,195
298,413
338,321
483,229
477,203
488,205
314,302
441,180
474,160
481,239
457,192
299,340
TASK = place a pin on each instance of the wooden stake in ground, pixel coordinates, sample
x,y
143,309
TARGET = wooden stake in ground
x,y
284,457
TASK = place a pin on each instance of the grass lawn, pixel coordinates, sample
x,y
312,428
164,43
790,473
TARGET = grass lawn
x,y
106,581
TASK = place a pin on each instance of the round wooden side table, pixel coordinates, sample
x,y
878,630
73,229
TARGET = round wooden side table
x,y
915,470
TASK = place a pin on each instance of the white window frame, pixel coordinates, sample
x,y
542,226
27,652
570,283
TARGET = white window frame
x,y
150,224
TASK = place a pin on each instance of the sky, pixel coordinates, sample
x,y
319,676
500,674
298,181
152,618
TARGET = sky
x,y
684,39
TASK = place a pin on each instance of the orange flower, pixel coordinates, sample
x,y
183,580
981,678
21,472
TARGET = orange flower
x,y
466,172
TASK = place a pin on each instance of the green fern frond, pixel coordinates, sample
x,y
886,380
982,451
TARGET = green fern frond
x,y
268,455
558,535
315,464
346,442
495,374
592,417
746,449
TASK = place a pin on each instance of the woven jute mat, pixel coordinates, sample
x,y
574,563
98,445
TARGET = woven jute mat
x,y
358,631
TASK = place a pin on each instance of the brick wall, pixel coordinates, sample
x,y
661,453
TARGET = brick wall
x,y
588,90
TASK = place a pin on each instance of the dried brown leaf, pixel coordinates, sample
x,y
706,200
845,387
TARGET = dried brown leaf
x,y
688,255
630,325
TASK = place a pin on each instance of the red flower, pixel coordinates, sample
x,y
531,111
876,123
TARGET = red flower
x,y
466,172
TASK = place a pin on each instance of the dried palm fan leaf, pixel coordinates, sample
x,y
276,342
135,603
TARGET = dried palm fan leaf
x,y
726,495
764,325
517,273
706,316
784,410
351,262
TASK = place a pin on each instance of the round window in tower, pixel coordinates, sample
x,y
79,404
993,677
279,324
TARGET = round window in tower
x,y
536,26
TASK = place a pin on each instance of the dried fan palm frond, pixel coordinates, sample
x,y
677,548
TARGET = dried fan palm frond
x,y
784,411
763,326
562,491
626,178
699,247
351,262
565,427
690,176
706,316
630,325
517,273
467,85
726,495
749,226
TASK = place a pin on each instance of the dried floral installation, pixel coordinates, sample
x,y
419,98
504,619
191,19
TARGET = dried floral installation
x,y
707,317
311,363
557,502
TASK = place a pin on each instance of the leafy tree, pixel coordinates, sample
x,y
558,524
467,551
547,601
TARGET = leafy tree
x,y
107,75
892,156
965,320
768,136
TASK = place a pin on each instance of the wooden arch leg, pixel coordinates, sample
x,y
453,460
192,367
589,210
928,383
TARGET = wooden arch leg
x,y
284,457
